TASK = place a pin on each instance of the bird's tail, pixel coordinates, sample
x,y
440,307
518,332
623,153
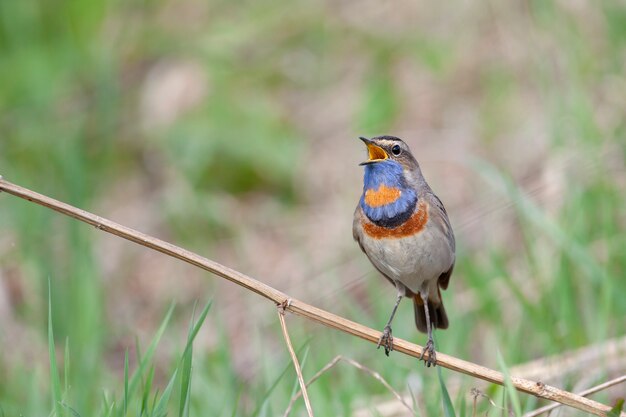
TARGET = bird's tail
x,y
436,310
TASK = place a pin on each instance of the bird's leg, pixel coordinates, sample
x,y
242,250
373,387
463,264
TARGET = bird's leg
x,y
430,345
386,339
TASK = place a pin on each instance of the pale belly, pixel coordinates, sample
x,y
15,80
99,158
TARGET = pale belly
x,y
415,261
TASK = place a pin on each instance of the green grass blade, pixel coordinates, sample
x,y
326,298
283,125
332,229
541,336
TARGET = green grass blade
x,y
54,373
448,408
66,366
160,410
196,327
146,391
137,375
107,408
105,401
126,383
154,402
268,393
510,390
185,383
616,411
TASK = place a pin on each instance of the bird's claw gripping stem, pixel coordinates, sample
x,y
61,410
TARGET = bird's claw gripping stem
x,y
432,355
386,340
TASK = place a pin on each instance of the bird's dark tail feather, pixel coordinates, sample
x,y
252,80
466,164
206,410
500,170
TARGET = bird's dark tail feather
x,y
437,312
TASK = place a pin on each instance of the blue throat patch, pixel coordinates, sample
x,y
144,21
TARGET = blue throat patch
x,y
390,174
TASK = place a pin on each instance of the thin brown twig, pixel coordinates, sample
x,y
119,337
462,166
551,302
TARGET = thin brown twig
x,y
584,393
475,393
357,365
300,308
312,380
294,358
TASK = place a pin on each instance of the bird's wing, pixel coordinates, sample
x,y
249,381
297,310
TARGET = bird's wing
x,y
439,216
355,227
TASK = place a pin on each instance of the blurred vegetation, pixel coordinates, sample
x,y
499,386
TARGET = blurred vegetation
x,y
77,121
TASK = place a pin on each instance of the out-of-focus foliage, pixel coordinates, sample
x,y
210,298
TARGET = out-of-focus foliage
x,y
225,126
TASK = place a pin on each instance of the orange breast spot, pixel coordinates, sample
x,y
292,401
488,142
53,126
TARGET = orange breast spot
x,y
413,226
383,196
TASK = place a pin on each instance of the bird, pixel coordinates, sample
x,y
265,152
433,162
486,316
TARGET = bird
x,y
404,229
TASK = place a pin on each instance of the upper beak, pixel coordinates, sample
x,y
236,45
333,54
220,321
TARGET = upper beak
x,y
375,152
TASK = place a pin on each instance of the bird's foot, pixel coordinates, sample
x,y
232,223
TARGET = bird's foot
x,y
386,340
432,355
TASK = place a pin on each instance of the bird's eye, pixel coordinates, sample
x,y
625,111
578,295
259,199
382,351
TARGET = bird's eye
x,y
396,150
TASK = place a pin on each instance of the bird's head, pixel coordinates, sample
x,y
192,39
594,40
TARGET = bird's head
x,y
388,151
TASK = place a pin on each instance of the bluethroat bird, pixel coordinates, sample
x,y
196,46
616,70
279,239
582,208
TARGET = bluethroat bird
x,y
404,230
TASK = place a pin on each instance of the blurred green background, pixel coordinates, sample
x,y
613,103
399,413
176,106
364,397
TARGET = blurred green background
x,y
229,128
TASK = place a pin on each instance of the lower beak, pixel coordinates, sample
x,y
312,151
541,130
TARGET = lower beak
x,y
375,152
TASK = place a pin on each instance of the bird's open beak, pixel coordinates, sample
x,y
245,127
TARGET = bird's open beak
x,y
375,152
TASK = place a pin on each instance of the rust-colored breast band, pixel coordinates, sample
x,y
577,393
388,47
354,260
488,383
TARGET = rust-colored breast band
x,y
383,196
415,224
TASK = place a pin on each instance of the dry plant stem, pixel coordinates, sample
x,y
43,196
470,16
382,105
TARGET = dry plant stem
x,y
300,308
294,358
612,352
357,365
584,393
